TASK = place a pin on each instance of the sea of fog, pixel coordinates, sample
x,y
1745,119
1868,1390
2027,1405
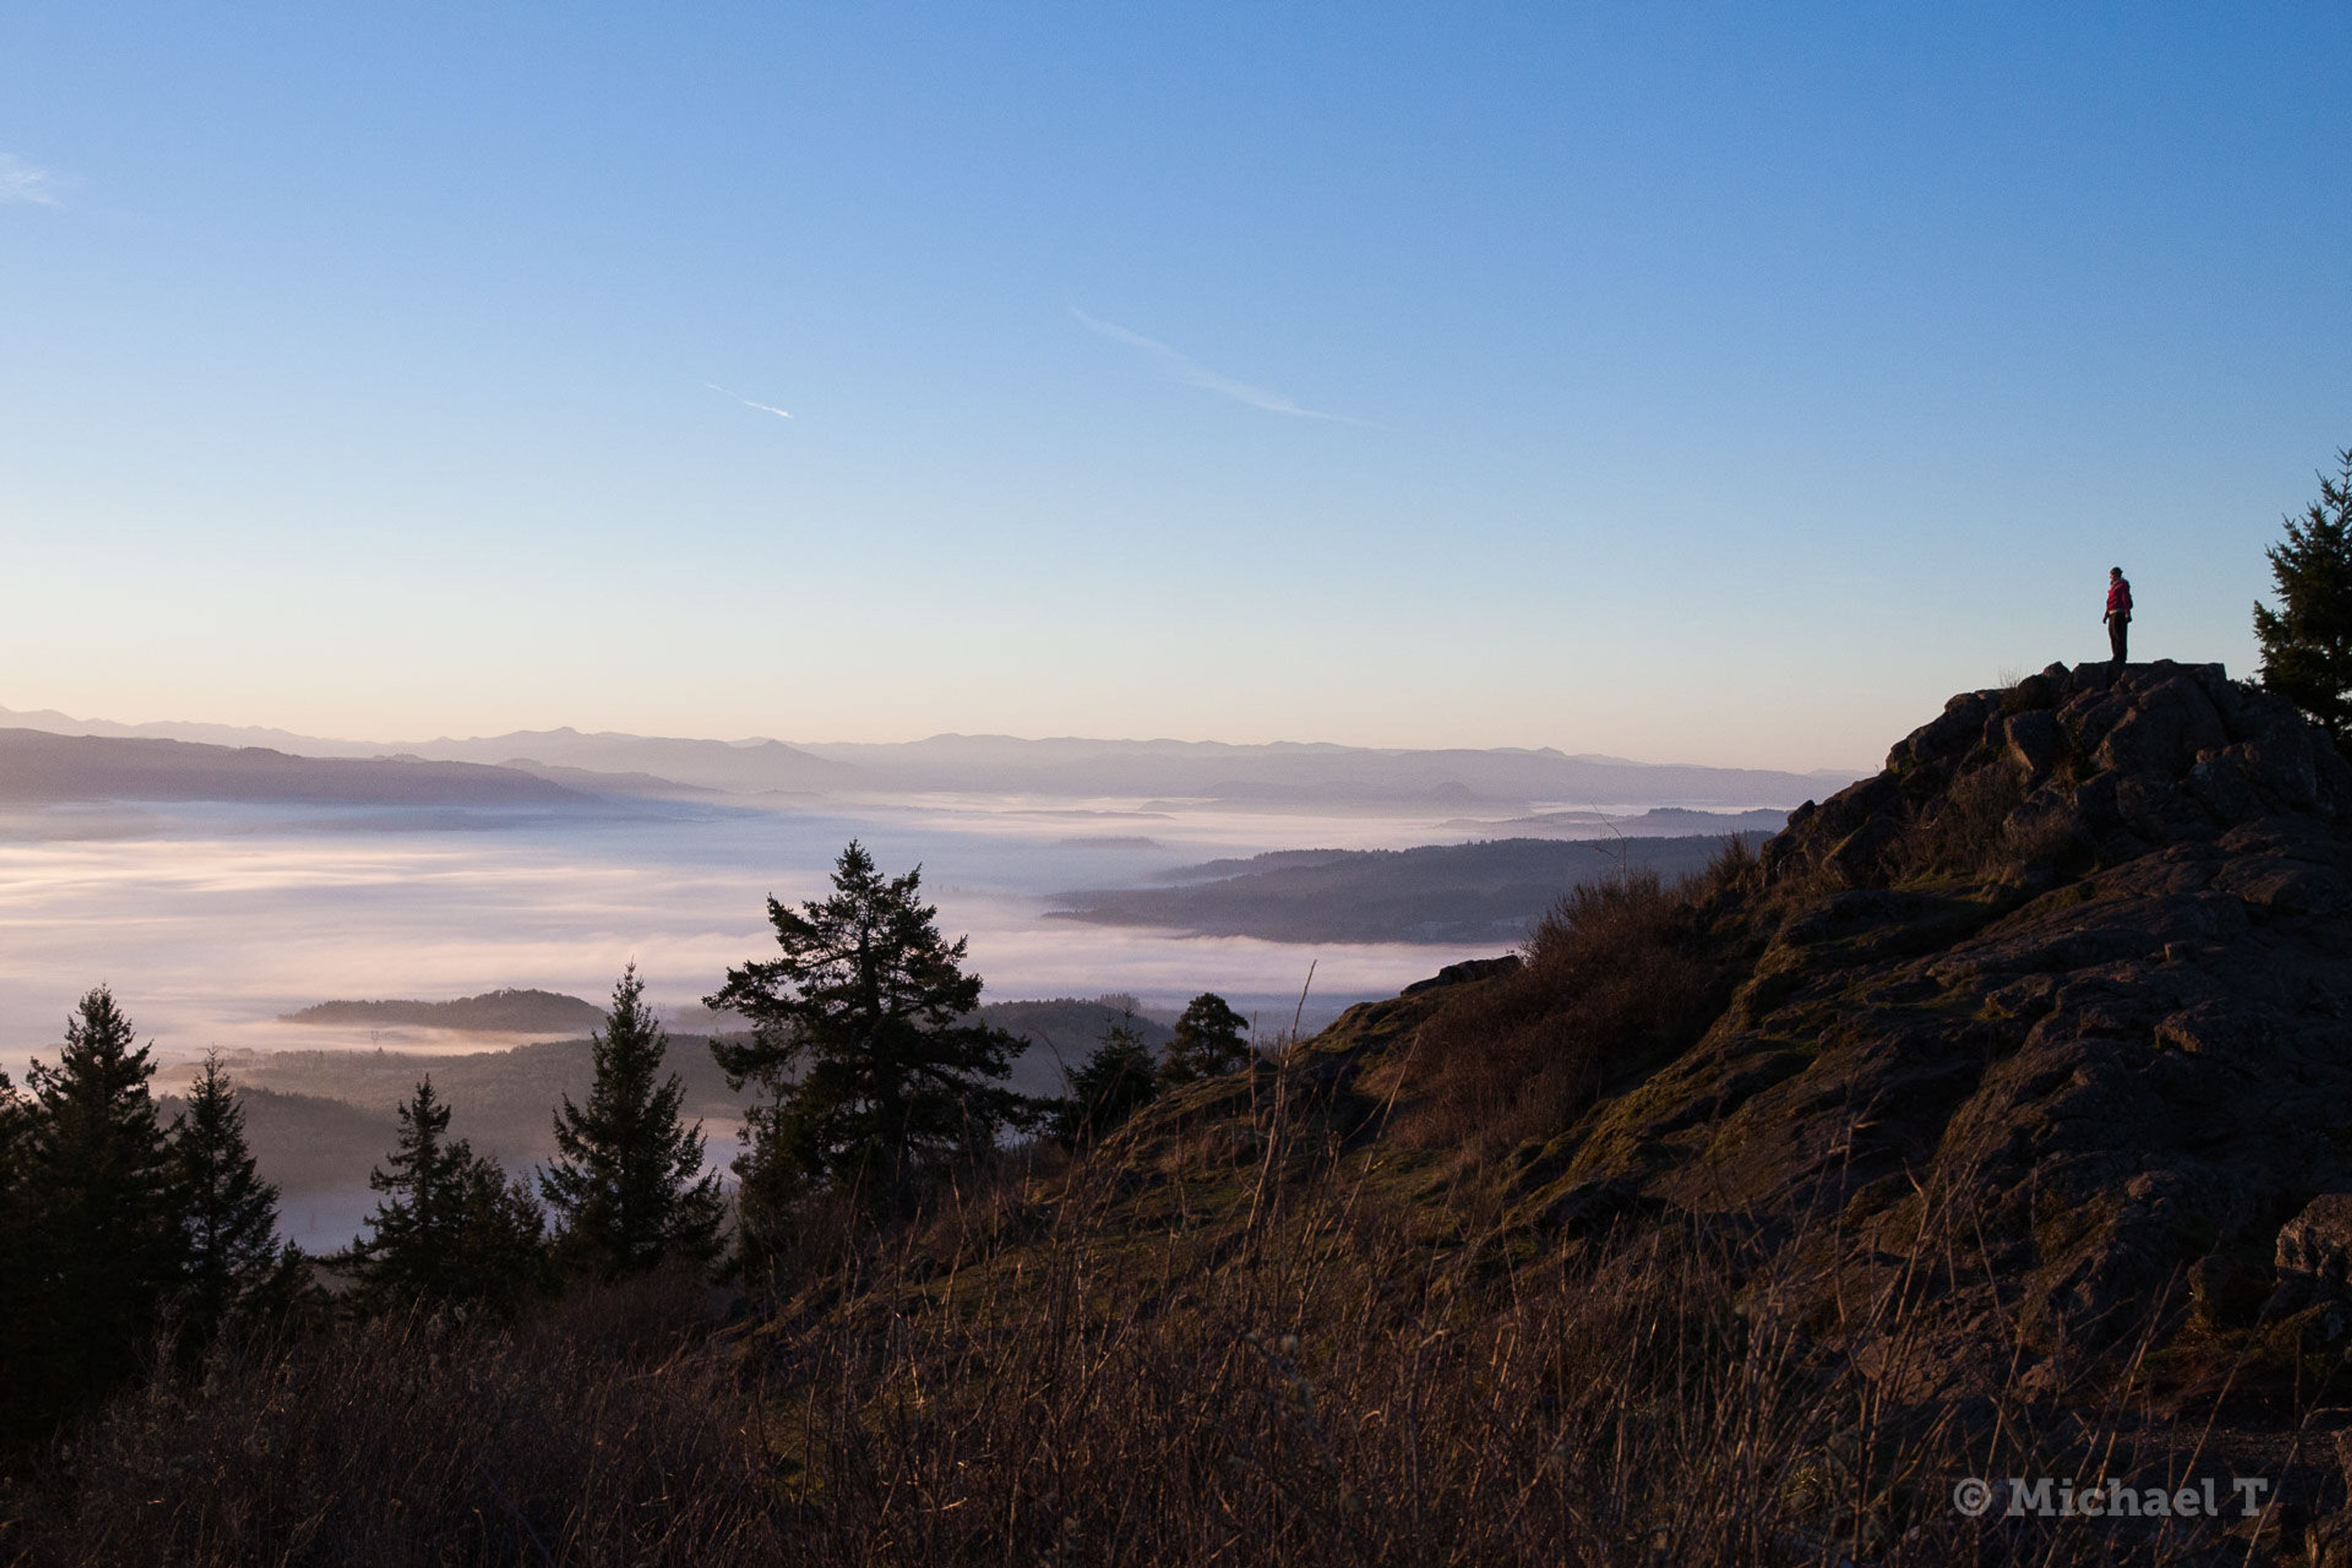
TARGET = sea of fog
x,y
211,920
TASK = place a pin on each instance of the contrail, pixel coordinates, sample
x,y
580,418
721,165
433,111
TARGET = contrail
x,y
763,407
1192,373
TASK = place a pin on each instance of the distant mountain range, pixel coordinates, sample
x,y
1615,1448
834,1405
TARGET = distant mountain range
x,y
1304,772
1286,774
41,769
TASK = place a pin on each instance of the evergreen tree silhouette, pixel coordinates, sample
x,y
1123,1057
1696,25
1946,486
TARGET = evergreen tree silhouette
x,y
1115,1082
627,1187
229,1214
106,1245
23,1348
451,1227
1210,1041
869,1005
2307,642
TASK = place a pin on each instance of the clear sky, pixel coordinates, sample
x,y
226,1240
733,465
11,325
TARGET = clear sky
x,y
1713,383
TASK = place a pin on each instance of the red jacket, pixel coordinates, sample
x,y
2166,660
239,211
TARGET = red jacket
x,y
2119,598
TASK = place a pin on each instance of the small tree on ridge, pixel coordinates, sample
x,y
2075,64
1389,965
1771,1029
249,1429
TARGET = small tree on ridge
x,y
1212,1040
2307,642
1115,1082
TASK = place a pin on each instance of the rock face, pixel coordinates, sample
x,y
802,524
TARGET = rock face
x,y
2068,980
2315,1256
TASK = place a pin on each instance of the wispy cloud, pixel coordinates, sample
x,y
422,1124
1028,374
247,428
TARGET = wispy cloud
x,y
1192,373
763,407
21,181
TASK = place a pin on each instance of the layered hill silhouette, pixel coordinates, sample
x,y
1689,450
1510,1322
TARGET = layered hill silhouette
x,y
1296,773
1262,777
510,1011
1440,893
38,768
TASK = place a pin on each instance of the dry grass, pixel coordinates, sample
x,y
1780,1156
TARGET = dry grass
x,y
1335,1391
1966,834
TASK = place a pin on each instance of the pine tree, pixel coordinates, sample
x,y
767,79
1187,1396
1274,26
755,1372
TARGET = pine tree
x,y
230,1215
1115,1082
451,1225
2307,642
16,1131
21,1348
1210,1041
629,1187
107,1245
862,1035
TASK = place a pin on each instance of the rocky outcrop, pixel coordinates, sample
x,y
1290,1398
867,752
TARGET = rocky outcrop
x,y
2053,1010
2314,1258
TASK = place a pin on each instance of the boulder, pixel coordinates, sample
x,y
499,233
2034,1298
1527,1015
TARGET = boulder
x,y
2033,740
2314,1258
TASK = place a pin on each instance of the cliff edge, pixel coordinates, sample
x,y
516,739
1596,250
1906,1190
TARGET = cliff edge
x,y
2051,1012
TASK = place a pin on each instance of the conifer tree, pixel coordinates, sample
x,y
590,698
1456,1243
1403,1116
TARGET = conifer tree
x,y
21,1348
107,1243
628,1188
863,1036
2307,641
451,1227
1115,1082
229,1214
1210,1041
15,1149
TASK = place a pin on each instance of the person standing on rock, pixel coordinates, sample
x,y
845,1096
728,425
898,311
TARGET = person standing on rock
x,y
2118,614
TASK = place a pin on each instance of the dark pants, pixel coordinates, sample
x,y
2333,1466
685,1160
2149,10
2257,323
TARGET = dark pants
x,y
2119,630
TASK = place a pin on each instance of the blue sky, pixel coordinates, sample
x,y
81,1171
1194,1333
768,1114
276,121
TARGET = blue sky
x,y
1713,383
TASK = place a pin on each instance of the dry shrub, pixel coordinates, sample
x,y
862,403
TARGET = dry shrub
x,y
1735,867
1977,830
1965,832
1611,983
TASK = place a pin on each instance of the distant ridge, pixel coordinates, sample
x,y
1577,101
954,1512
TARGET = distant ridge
x,y
1665,821
1279,774
1490,891
40,768
1292,771
508,1011
750,767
